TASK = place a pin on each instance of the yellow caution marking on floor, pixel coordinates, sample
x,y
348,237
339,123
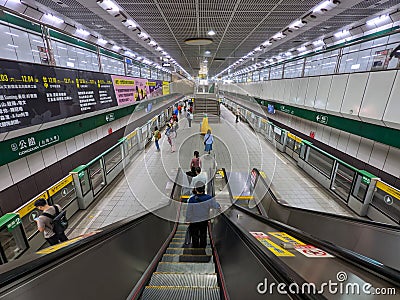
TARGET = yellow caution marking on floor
x,y
262,173
243,197
271,246
284,237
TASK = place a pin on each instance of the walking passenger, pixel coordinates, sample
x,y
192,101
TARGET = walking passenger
x,y
157,137
172,137
194,163
237,113
197,215
189,117
45,224
208,141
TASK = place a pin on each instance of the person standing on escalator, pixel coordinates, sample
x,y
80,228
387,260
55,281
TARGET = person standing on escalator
x,y
198,214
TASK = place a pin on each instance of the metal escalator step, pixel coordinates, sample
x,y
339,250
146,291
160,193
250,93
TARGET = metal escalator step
x,y
183,267
197,258
179,293
182,227
193,251
173,279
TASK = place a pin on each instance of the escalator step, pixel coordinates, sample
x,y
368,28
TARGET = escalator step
x,y
197,258
173,279
178,293
183,267
194,251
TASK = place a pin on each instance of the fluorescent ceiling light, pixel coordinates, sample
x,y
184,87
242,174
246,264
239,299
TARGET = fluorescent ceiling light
x,y
324,6
102,41
143,35
207,52
377,20
14,46
341,33
116,47
355,67
130,23
257,49
152,43
211,32
54,18
302,49
108,5
318,43
288,53
82,32
296,24
278,36
159,49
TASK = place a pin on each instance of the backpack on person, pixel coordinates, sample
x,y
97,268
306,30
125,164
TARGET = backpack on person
x,y
59,220
159,135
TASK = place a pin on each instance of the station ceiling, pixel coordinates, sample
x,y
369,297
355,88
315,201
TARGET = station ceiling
x,y
240,25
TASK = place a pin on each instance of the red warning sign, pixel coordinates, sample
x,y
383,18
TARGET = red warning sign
x,y
311,251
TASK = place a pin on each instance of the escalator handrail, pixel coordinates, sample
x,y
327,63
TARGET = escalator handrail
x,y
327,214
138,289
25,266
356,259
280,269
352,257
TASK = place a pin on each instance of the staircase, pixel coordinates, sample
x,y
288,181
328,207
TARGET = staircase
x,y
184,272
206,106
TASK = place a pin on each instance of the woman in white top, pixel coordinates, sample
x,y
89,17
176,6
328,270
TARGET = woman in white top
x,y
208,141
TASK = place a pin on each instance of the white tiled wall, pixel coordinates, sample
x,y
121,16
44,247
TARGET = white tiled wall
x,y
375,154
372,97
369,96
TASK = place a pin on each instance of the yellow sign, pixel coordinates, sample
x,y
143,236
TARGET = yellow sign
x,y
165,88
31,205
131,135
60,185
124,82
205,126
262,173
221,173
284,237
388,189
293,137
151,83
271,246
65,244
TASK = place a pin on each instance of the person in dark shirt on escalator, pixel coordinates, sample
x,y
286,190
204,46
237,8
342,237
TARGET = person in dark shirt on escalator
x,y
198,214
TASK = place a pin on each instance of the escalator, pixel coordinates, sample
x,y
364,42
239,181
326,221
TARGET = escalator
x,y
371,239
145,257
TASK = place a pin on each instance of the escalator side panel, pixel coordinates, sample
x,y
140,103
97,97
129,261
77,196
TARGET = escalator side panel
x,y
106,271
357,237
241,269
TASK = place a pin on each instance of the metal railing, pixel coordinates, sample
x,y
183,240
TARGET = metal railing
x,y
85,183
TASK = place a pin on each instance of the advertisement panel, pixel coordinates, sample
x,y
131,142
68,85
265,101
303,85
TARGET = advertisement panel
x,y
155,88
165,88
33,94
129,90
